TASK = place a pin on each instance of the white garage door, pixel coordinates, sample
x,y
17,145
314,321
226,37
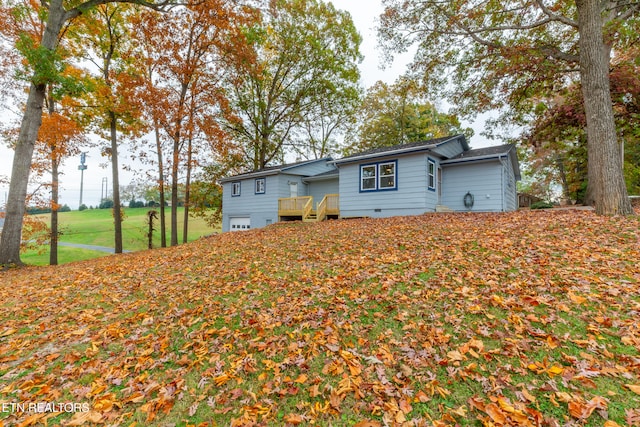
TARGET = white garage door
x,y
239,223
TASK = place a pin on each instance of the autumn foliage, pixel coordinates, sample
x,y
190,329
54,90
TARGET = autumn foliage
x,y
519,319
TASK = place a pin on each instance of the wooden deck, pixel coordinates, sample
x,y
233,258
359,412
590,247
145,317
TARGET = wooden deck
x,y
303,208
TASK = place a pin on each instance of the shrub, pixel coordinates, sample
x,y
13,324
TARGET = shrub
x,y
106,204
83,207
541,205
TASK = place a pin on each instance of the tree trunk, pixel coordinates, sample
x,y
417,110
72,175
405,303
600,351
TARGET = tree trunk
x,y
117,210
563,180
53,240
12,231
163,225
185,225
29,127
606,177
174,192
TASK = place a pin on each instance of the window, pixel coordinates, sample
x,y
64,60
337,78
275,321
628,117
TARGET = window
x,y
260,186
379,176
235,189
431,174
368,178
387,175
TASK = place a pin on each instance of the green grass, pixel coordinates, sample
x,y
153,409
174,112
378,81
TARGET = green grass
x,y
65,255
95,227
333,324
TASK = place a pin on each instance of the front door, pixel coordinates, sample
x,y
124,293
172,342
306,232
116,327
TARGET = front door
x,y
293,189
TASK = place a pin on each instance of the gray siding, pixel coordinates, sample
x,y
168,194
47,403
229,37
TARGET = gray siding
x,y
450,149
411,197
319,189
284,189
259,207
310,169
510,188
482,179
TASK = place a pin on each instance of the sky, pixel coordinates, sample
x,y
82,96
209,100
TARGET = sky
x,y
364,14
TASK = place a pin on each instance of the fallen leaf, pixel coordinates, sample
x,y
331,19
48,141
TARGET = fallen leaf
x,y
633,388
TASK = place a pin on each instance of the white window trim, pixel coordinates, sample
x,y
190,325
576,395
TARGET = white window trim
x,y
264,186
432,172
381,175
236,185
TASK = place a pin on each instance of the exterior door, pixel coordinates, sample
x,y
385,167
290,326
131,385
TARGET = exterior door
x,y
439,181
239,223
293,189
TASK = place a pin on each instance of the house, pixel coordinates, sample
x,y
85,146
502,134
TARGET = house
x,y
442,174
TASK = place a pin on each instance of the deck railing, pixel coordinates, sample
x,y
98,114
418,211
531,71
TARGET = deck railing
x,y
333,204
303,207
321,210
294,206
308,207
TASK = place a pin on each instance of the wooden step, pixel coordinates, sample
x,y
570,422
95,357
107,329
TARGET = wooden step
x,y
443,208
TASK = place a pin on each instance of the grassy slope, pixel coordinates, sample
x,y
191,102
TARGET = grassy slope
x,y
95,227
528,318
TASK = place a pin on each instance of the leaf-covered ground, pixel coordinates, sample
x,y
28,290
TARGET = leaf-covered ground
x,y
527,319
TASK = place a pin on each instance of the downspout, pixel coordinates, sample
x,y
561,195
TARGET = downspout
x,y
502,195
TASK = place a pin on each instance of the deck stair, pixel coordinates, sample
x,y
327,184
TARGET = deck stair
x,y
311,217
443,208
302,208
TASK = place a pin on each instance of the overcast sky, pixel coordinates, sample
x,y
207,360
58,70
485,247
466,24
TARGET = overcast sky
x,y
364,14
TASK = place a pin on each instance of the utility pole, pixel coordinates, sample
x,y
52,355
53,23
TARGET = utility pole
x,y
82,168
103,190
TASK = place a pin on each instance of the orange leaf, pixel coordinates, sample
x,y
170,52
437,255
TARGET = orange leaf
x,y
633,388
368,423
301,379
576,299
294,419
81,418
495,413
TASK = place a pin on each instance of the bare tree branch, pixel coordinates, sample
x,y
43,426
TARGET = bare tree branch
x,y
159,6
556,17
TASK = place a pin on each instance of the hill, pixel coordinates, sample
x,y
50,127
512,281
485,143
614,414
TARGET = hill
x,y
95,227
526,318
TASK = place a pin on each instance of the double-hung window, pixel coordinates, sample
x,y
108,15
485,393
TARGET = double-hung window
x,y
260,186
387,176
431,174
368,177
235,189
378,176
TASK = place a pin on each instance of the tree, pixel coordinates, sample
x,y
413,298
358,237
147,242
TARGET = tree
x,y
104,31
305,61
59,137
512,53
331,117
558,139
61,132
44,67
184,101
398,114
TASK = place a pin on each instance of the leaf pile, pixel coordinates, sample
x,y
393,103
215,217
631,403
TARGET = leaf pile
x,y
519,319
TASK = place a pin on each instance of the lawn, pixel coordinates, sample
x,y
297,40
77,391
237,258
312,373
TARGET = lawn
x,y
95,227
518,319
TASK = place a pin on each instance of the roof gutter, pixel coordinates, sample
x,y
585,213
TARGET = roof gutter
x,y
250,175
474,159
